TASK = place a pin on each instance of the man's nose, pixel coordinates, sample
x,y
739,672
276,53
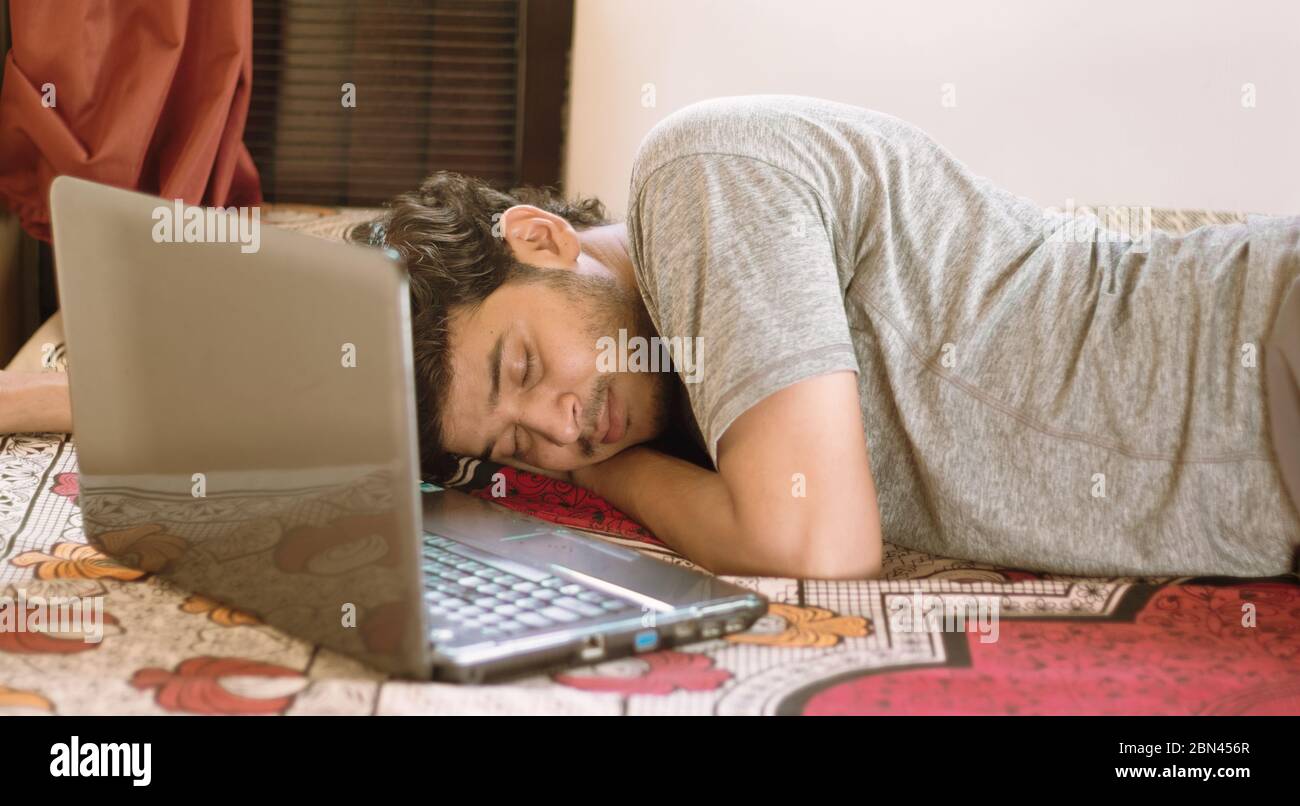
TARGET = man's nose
x,y
558,418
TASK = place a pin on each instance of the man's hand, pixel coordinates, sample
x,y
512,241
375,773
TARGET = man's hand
x,y
794,495
34,402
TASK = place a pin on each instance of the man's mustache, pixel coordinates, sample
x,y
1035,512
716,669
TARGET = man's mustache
x,y
600,389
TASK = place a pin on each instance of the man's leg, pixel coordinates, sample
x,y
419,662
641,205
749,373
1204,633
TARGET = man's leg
x,y
1282,381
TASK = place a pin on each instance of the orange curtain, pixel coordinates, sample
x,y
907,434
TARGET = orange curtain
x,y
149,95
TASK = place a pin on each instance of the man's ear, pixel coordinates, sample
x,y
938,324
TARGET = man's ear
x,y
539,238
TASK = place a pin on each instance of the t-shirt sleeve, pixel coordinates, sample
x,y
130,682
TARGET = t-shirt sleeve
x,y
740,256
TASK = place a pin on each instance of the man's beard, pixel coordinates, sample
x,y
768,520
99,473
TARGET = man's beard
x,y
610,306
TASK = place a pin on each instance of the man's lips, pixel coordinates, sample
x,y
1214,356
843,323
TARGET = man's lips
x,y
612,420
617,417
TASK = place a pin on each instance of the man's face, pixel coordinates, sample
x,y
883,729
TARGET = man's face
x,y
526,389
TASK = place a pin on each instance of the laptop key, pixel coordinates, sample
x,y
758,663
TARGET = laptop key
x,y
510,626
552,582
505,610
591,596
572,589
530,604
525,586
559,614
488,602
579,607
533,619
613,604
511,596
545,594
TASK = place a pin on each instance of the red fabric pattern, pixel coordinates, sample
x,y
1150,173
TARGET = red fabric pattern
x,y
195,686
660,673
1186,652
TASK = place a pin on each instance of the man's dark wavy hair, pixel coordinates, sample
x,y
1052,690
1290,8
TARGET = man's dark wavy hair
x,y
447,232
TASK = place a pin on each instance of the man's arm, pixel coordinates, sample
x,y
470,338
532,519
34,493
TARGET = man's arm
x,y
793,496
34,402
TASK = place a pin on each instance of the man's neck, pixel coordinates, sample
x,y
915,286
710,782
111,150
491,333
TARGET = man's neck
x,y
609,246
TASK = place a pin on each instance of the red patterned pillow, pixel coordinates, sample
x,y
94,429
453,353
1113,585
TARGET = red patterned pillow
x,y
546,498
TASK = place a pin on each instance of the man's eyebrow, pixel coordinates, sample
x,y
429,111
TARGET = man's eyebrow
x,y
494,371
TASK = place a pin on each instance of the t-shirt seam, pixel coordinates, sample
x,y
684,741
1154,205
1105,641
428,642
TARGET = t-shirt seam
x,y
1010,411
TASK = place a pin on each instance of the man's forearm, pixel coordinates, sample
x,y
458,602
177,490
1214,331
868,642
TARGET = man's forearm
x,y
34,402
691,510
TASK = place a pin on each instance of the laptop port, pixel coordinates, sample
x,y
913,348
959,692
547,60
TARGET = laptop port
x,y
710,629
683,631
593,647
645,640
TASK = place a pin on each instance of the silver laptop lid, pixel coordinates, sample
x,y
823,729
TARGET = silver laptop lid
x,y
245,419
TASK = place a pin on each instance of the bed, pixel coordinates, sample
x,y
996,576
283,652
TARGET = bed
x,y
1064,645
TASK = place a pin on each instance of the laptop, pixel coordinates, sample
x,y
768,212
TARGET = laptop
x,y
244,413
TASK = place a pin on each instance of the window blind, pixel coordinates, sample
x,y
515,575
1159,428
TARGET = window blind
x,y
355,101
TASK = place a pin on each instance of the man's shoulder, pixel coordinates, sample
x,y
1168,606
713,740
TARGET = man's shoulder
x,y
733,110
765,128
736,124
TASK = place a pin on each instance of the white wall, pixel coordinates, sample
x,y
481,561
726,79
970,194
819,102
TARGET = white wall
x,y
1099,101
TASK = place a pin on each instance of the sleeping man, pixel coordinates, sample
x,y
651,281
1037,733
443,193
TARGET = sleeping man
x,y
882,345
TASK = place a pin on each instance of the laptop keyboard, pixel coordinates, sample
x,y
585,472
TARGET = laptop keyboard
x,y
466,594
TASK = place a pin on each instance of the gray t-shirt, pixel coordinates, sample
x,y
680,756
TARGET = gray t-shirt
x,y
1070,404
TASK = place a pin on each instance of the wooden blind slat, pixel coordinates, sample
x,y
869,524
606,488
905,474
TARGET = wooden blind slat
x,y
439,86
